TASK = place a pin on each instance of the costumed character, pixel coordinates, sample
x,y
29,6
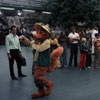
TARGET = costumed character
x,y
42,46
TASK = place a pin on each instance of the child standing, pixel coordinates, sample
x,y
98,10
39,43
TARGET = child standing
x,y
88,54
83,51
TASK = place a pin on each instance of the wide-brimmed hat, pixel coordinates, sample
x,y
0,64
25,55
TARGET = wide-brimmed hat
x,y
45,27
37,26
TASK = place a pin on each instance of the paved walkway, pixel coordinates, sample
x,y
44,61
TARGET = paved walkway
x,y
69,84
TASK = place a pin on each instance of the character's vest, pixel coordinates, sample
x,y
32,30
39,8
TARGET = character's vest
x,y
44,58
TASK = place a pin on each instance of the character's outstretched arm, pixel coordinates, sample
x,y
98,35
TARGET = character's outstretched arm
x,y
25,40
41,47
37,46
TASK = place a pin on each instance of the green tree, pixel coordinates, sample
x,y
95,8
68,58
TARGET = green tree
x,y
68,12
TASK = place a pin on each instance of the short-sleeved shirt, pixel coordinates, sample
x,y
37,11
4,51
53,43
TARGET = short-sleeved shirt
x,y
73,36
93,33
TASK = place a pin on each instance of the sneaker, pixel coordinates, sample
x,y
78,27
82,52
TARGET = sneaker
x,y
97,67
65,66
89,66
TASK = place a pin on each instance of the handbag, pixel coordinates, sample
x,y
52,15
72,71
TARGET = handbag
x,y
23,61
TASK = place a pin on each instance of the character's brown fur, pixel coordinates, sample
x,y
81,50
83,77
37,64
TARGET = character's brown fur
x,y
55,53
42,36
54,57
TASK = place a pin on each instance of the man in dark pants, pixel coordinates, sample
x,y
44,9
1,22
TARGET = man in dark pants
x,y
14,52
74,38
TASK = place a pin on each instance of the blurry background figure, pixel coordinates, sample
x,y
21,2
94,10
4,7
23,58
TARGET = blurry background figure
x,y
57,31
88,54
54,45
97,51
74,39
82,35
83,51
23,30
94,31
63,42
89,34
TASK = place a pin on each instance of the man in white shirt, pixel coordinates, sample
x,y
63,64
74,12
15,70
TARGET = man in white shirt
x,y
14,52
74,38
